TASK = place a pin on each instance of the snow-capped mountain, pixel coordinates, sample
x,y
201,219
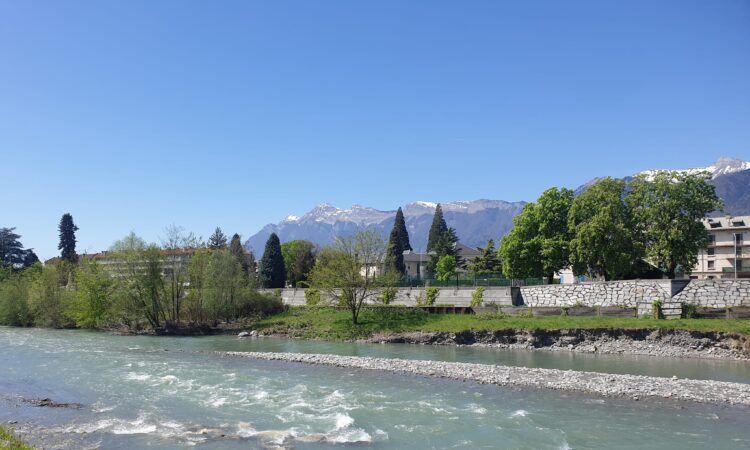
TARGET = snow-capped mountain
x,y
722,166
475,222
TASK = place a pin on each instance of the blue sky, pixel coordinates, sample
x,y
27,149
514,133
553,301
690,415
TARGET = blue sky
x,y
139,114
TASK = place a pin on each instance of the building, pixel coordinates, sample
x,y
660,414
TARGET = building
x,y
727,255
416,263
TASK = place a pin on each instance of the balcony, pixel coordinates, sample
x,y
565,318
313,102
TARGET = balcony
x,y
740,270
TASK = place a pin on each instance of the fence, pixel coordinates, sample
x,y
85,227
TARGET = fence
x,y
469,279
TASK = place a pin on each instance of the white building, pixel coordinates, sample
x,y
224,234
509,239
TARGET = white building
x,y
728,253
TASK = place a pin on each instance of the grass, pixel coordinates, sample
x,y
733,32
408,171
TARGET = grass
x,y
9,441
336,324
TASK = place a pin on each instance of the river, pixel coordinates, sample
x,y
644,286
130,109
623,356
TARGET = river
x,y
159,392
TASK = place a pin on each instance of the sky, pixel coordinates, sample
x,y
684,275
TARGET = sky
x,y
136,115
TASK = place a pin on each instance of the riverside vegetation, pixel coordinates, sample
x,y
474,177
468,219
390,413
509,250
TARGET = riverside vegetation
x,y
9,441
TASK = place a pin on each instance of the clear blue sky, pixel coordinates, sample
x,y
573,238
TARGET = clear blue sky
x,y
134,115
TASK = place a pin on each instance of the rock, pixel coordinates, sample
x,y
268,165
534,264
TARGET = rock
x,y
243,334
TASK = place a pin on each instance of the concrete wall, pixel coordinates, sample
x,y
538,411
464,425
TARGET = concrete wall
x,y
716,293
504,296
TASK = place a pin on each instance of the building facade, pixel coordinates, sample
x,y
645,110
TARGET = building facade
x,y
727,255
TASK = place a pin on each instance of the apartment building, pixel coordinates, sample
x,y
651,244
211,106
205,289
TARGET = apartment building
x,y
728,253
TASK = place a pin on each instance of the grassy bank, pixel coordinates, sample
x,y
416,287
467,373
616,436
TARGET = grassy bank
x,y
336,324
9,441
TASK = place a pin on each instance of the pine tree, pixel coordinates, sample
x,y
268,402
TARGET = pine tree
x,y
398,243
488,262
238,251
437,229
67,238
272,271
12,253
218,240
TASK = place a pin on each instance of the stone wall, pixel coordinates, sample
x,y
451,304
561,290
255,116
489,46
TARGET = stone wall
x,y
716,293
628,293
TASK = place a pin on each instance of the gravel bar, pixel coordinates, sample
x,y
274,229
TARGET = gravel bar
x,y
634,387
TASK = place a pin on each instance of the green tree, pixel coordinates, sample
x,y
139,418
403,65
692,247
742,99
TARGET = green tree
x,y
217,240
14,297
272,271
12,253
67,245
226,281
398,243
238,251
604,231
437,230
347,270
488,261
49,299
92,296
446,268
299,259
539,243
668,210
445,246
177,245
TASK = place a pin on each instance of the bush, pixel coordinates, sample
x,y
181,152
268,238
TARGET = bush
x,y
387,295
430,295
656,310
689,311
312,297
477,297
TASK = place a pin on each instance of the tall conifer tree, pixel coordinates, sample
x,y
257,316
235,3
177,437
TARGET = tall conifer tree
x,y
437,229
67,238
236,249
217,240
272,270
398,243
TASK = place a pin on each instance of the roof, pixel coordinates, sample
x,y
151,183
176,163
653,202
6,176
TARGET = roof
x,y
727,222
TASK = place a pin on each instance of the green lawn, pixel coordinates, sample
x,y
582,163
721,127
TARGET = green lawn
x,y
9,441
336,324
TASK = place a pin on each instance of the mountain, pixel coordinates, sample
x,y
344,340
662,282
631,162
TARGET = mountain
x,y
730,176
475,222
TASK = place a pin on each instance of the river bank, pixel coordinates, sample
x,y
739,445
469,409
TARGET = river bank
x,y
686,338
634,387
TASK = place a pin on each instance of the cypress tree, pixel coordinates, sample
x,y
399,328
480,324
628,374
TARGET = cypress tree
x,y
437,229
217,240
236,249
272,271
398,243
67,238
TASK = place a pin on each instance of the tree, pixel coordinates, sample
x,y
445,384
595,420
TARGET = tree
x,y
437,229
488,261
538,245
445,246
446,268
347,270
238,251
398,243
67,243
177,245
272,270
520,250
92,304
553,207
668,210
604,231
12,253
299,259
217,240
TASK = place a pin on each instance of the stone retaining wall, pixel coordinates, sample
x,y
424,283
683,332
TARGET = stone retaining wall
x,y
611,293
716,293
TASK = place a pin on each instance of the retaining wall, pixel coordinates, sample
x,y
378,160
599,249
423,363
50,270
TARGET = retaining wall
x,y
609,293
716,293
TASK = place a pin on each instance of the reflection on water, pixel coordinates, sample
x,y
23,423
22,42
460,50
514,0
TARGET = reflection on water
x,y
136,395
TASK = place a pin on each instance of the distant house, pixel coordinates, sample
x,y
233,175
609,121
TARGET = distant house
x,y
416,263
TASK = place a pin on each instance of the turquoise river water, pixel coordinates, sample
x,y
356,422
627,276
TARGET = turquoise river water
x,y
163,393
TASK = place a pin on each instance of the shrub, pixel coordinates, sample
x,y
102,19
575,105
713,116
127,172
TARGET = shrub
x,y
656,310
312,297
477,297
431,294
387,295
689,311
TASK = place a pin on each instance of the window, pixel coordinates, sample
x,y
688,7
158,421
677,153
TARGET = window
x,y
711,239
710,265
715,224
711,251
738,223
738,265
738,252
738,238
